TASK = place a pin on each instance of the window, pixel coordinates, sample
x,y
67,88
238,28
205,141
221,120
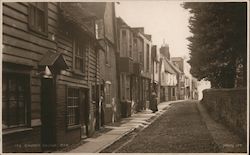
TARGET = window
x,y
108,93
156,67
124,33
130,45
135,43
141,57
15,90
73,102
173,92
93,93
128,87
130,50
122,86
80,50
141,53
147,93
99,30
107,54
38,17
147,60
135,48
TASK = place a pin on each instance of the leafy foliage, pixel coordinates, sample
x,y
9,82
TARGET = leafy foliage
x,y
218,41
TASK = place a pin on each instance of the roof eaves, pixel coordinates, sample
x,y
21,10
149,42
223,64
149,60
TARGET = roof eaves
x,y
176,69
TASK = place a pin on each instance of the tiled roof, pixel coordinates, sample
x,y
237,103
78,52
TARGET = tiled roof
x,y
167,67
53,59
173,67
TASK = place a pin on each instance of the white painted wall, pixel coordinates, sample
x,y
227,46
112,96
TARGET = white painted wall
x,y
201,86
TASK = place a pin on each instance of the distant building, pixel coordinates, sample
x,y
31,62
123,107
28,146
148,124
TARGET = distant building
x,y
202,85
178,62
146,69
107,110
194,90
125,70
138,63
155,62
135,68
172,79
168,81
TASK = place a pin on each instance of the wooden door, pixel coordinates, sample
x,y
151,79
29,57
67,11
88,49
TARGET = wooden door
x,y
48,114
84,112
98,107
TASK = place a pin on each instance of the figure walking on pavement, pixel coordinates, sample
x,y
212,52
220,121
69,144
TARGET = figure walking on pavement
x,y
153,102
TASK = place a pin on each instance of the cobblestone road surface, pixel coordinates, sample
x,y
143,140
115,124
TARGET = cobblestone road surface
x,y
179,130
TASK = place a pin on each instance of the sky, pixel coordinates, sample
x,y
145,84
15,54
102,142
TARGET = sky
x,y
164,20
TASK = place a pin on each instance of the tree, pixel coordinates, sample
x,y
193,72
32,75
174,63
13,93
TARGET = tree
x,y
219,41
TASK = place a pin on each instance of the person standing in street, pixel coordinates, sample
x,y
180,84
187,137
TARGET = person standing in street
x,y
153,102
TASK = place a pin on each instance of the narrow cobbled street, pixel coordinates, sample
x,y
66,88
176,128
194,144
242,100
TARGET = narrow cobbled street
x,y
180,129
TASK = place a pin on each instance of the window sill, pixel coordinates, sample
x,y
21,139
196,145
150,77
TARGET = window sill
x,y
126,100
108,65
73,127
79,73
37,32
16,130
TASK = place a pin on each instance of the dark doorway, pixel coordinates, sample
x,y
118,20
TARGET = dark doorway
x,y
98,108
48,114
84,113
170,94
102,104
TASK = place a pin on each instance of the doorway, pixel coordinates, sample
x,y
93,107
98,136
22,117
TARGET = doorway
x,y
48,137
84,113
102,104
98,107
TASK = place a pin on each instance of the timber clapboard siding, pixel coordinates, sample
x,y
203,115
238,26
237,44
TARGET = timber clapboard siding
x,y
25,47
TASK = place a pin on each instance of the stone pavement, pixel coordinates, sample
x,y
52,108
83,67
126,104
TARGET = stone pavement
x,y
179,130
210,132
185,127
120,129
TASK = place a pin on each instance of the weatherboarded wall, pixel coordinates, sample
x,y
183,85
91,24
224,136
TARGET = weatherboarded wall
x,y
23,47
